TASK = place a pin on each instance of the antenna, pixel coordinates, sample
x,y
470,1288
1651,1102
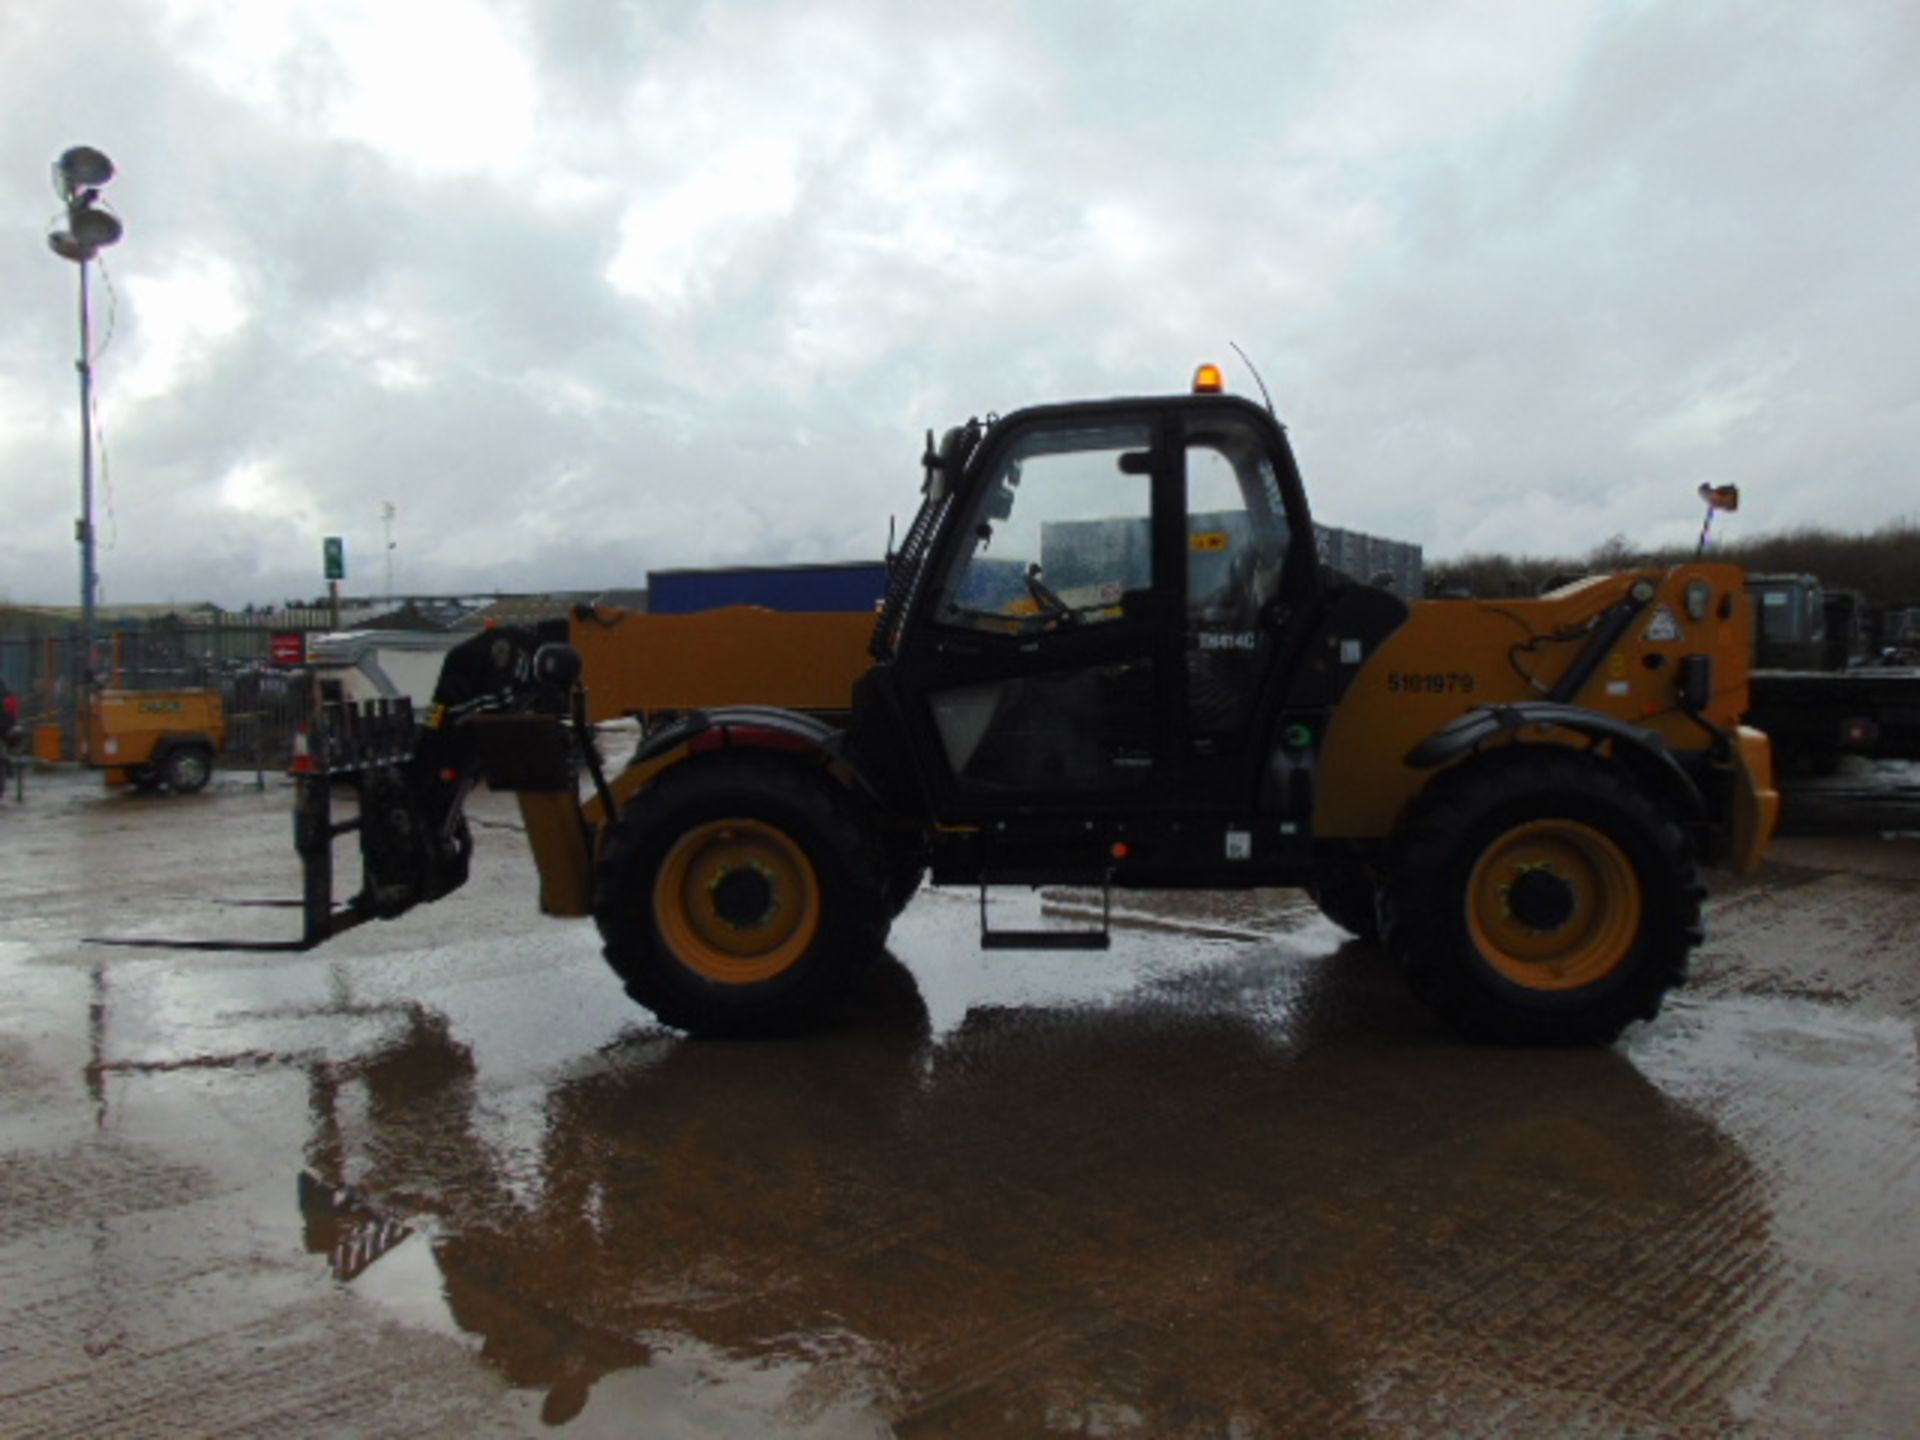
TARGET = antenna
x,y
1247,360
387,512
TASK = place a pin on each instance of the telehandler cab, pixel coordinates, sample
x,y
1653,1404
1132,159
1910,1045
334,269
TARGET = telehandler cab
x,y
1108,656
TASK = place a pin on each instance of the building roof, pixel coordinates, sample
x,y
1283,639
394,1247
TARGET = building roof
x,y
522,612
106,614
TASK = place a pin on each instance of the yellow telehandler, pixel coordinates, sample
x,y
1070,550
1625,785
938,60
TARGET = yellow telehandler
x,y
1108,655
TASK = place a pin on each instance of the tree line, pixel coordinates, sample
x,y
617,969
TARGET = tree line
x,y
1883,564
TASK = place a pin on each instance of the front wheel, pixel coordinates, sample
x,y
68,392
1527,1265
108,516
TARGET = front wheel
x,y
741,896
1345,891
1542,898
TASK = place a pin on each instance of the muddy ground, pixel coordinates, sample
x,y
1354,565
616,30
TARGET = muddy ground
x,y
441,1178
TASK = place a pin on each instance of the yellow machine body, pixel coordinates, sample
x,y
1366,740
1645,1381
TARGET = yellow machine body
x,y
644,665
639,664
1449,657
128,729
1453,655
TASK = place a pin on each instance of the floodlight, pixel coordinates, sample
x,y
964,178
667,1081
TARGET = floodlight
x,y
67,248
93,228
88,232
83,166
79,174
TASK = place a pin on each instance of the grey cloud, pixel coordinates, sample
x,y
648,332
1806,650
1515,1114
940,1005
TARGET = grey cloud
x,y
1682,252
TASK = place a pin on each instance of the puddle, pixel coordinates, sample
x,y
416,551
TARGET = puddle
x,y
1159,1210
1225,1179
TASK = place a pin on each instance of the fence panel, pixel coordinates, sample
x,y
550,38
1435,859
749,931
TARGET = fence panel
x,y
264,703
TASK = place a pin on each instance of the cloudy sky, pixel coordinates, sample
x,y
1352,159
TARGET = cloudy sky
x,y
585,287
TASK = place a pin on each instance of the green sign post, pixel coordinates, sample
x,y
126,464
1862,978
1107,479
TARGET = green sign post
x,y
333,550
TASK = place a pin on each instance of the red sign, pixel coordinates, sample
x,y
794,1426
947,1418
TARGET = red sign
x,y
288,648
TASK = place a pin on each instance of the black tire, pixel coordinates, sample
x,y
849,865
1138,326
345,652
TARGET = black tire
x,y
187,768
803,927
1590,946
904,878
1345,891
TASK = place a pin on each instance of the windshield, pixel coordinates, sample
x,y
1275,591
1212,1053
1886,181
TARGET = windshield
x,y
1783,612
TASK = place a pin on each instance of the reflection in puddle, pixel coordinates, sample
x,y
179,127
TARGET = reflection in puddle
x,y
345,1228
1251,1194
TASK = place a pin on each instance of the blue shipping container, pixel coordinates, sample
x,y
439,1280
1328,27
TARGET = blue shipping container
x,y
850,586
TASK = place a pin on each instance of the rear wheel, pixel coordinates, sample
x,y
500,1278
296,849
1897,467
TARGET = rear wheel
x,y
187,769
741,896
1542,898
904,878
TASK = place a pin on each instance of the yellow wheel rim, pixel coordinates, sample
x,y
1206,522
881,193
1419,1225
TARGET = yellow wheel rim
x,y
1554,905
736,901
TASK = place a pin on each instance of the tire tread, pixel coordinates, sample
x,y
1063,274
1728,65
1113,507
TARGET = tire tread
x,y
1430,952
856,928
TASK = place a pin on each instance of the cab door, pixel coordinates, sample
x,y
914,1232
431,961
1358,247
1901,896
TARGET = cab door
x,y
1042,675
1249,588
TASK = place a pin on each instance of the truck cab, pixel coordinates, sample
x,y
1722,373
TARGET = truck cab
x,y
1790,628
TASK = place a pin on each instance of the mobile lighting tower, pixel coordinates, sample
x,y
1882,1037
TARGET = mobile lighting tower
x,y
77,177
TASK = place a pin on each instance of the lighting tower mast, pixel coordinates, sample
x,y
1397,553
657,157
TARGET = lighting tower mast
x,y
387,513
78,176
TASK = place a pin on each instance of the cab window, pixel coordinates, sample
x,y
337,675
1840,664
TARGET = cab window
x,y
1236,523
1060,531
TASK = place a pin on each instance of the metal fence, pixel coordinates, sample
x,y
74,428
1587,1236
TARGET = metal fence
x,y
1374,559
264,702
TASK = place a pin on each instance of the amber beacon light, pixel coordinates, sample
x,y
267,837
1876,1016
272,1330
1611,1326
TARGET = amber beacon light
x,y
1207,380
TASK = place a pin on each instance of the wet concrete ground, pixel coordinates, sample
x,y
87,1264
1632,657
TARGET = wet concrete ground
x,y
441,1178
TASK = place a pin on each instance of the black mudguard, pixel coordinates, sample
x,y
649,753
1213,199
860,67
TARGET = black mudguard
x,y
1646,750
